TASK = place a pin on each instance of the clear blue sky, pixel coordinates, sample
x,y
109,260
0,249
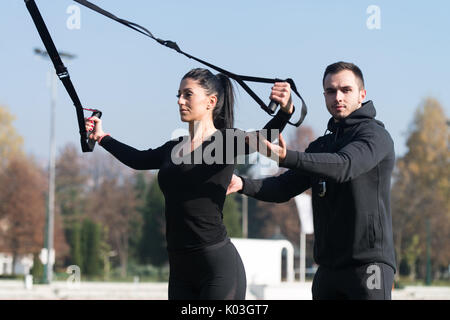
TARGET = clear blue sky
x,y
133,80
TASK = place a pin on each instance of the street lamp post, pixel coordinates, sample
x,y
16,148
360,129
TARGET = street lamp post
x,y
244,216
428,277
50,218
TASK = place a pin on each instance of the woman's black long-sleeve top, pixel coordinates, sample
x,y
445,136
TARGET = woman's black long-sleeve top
x,y
194,185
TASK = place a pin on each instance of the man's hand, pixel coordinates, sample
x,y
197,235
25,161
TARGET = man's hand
x,y
235,185
274,151
281,93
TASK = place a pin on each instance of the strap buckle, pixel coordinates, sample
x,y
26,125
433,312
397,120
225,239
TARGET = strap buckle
x,y
61,72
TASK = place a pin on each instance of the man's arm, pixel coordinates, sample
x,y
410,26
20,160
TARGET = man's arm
x,y
356,158
275,189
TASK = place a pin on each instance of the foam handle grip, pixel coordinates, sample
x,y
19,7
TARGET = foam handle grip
x,y
273,106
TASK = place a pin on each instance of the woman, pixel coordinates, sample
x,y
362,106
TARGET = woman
x,y
204,264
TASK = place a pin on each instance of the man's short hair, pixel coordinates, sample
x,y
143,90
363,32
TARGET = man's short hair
x,y
340,66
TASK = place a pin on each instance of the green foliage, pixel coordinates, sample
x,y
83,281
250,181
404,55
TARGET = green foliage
x,y
105,253
152,246
149,272
232,217
76,245
136,226
37,271
70,200
91,241
140,187
86,247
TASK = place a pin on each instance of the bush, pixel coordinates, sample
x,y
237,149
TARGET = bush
x,y
144,272
37,271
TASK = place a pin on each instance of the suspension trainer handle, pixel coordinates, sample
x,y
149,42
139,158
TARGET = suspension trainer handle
x,y
62,72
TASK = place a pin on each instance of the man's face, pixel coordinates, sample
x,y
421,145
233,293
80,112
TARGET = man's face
x,y
343,94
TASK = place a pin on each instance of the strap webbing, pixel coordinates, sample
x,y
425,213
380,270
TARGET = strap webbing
x,y
172,45
87,145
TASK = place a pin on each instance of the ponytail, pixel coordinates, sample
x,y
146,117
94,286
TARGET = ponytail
x,y
220,84
223,113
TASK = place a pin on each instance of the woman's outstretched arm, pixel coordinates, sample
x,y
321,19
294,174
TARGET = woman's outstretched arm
x,y
133,158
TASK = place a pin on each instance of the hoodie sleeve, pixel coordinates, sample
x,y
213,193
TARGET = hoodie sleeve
x,y
362,154
276,189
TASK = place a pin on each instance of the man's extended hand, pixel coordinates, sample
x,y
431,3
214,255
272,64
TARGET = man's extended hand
x,y
276,152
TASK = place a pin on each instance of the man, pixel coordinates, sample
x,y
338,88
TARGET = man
x,y
349,171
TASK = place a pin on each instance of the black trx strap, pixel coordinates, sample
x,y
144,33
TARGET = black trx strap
x,y
87,145
238,78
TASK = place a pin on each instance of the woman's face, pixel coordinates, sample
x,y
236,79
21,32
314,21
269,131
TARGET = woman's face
x,y
195,104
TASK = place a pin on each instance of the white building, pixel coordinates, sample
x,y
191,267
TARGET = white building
x,y
23,264
263,260
269,268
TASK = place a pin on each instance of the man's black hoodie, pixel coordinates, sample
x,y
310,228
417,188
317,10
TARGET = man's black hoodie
x,y
349,171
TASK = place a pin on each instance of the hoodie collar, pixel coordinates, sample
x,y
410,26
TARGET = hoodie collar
x,y
366,112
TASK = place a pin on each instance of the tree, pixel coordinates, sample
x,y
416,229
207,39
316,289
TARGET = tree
x,y
22,207
62,248
38,268
71,181
76,245
421,190
153,242
141,182
10,141
70,195
91,242
23,189
112,204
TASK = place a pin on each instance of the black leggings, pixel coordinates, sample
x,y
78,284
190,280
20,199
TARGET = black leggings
x,y
215,273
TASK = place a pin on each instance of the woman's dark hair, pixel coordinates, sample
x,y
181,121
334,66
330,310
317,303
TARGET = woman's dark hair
x,y
220,85
340,66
